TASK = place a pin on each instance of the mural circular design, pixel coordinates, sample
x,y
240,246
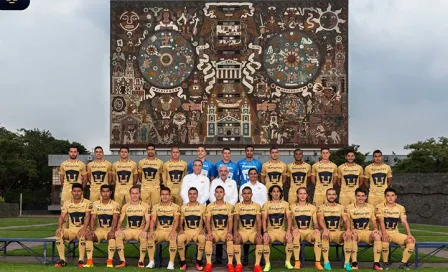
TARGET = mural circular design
x,y
292,59
292,107
166,59
118,104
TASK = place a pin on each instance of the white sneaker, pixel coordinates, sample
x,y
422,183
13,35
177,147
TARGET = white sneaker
x,y
170,266
151,264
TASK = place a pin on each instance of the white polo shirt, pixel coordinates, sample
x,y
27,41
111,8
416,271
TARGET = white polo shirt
x,y
230,190
259,192
200,182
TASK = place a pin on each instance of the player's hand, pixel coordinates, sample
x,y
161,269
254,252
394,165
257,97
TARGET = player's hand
x,y
288,235
82,232
202,232
150,235
266,236
59,232
295,232
237,236
182,232
354,232
210,237
410,237
316,231
385,236
258,236
143,234
118,232
325,235
229,236
111,235
376,232
172,235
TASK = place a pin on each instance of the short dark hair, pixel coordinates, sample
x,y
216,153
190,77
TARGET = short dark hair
x,y
330,189
247,187
324,148
197,161
298,150
252,169
124,147
105,186
73,146
272,189
174,147
249,146
150,145
98,147
360,190
350,151
135,187
377,152
301,188
219,187
390,189
193,189
77,185
203,146
273,148
164,188
226,148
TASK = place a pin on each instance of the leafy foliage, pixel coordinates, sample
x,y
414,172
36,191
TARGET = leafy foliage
x,y
338,157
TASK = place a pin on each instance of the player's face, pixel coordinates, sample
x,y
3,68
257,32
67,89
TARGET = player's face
x,y
99,154
76,193
377,158
226,155
298,155
73,153
302,195
105,194
175,153
247,195
361,198
197,167
219,194
192,195
124,154
325,154
276,194
274,154
201,153
223,172
249,152
350,157
391,197
331,196
253,175
135,195
151,152
165,196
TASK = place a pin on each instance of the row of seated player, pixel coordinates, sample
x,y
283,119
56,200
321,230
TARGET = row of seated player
x,y
235,225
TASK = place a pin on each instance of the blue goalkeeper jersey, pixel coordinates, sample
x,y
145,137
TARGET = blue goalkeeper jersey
x,y
243,169
208,169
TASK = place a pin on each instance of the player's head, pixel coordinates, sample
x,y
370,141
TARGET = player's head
x,y
361,195
192,194
77,191
99,153
331,195
226,154
219,193
377,156
124,152
135,193
391,195
165,194
275,192
273,153
197,166
325,153
302,194
151,150
350,156
247,194
298,155
73,152
202,152
253,174
223,172
175,152
106,191
249,150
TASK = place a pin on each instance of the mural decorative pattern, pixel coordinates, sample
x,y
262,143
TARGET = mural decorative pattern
x,y
229,73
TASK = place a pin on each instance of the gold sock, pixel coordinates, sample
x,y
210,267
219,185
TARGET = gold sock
x,y
208,251
407,252
317,249
385,251
61,247
120,247
229,249
111,249
354,251
151,250
296,249
377,248
347,250
288,249
267,253
201,246
258,254
237,253
82,248
325,248
89,249
173,247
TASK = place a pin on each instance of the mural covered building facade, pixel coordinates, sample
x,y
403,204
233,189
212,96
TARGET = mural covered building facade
x,y
229,73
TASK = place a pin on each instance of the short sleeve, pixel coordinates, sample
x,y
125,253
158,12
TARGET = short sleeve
x,y
361,173
109,167
258,209
379,211
123,210
89,168
208,211
373,217
284,169
340,171
308,173
135,170
83,169
236,209
153,212
402,212
287,209
89,206
230,209
335,171
177,210
313,210
367,173
389,172
139,167
114,170
263,170
61,169
182,213
320,209
264,209
94,209
64,208
314,170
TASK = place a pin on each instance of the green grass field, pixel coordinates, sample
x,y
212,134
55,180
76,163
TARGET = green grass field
x,y
23,221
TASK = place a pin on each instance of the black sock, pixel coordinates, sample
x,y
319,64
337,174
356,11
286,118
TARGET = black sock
x,y
199,262
356,263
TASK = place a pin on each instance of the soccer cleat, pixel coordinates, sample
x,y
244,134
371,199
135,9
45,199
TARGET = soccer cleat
x,y
170,266
80,264
199,266
288,265
386,266
348,267
297,265
183,267
327,266
141,265
151,264
60,263
257,268
110,263
239,268
405,266
318,266
208,267
356,267
89,263
121,264
377,267
230,268
267,267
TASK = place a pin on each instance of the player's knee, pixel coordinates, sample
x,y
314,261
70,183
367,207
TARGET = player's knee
x,y
410,247
377,237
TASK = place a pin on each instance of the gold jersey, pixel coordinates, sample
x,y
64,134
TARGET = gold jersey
x,y
325,173
174,172
76,211
276,213
135,214
377,176
248,215
303,215
333,215
298,175
391,215
349,176
72,171
150,171
98,173
165,215
219,215
275,173
193,216
105,213
361,217
124,173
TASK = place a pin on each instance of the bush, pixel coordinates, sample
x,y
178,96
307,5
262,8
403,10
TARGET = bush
x,y
2,199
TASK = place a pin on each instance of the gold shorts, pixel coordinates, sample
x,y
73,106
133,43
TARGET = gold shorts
x,y
307,235
162,236
101,234
396,237
364,236
346,199
375,199
132,234
70,234
191,236
277,235
219,235
121,195
319,200
248,236
151,195
336,236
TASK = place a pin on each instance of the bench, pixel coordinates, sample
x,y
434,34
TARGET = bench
x,y
21,241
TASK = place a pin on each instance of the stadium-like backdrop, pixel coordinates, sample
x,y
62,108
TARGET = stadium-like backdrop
x,y
214,73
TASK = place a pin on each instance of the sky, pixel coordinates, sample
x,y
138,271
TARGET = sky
x,y
54,71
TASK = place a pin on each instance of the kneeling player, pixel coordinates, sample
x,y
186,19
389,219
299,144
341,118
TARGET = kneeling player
x,y
103,224
137,213
166,214
330,216
304,214
192,215
247,228
274,213
219,217
78,209
361,216
389,213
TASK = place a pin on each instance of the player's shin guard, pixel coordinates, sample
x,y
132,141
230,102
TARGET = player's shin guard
x,y
173,247
143,248
377,248
120,247
82,247
181,247
385,251
354,251
89,250
317,247
407,252
229,248
201,246
325,248
151,250
237,252
267,253
347,250
288,249
258,254
208,251
111,246
296,248
61,247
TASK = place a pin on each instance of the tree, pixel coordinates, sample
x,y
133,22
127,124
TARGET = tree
x,y
430,156
338,157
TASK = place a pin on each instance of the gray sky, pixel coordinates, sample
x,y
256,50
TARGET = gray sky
x,y
54,67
